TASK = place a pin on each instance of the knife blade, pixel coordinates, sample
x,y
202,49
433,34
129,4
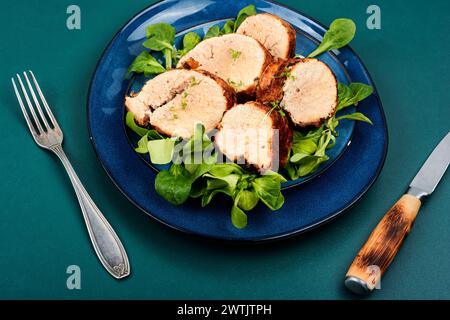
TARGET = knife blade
x,y
432,170
386,239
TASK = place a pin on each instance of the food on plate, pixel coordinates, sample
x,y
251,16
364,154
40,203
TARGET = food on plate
x,y
277,35
256,134
289,121
306,89
175,101
238,59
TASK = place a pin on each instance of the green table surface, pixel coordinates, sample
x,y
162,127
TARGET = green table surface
x,y
41,227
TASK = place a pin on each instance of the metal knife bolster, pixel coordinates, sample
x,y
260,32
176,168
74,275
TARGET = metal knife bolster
x,y
417,192
432,170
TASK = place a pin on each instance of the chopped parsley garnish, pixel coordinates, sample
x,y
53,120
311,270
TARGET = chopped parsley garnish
x,y
286,74
276,105
194,82
183,100
235,54
235,84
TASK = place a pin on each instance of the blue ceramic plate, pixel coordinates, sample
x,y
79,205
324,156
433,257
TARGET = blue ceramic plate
x,y
352,169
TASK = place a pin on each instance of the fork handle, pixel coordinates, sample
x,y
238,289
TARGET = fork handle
x,y
106,243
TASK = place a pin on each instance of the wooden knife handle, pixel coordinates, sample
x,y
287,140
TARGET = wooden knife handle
x,y
383,244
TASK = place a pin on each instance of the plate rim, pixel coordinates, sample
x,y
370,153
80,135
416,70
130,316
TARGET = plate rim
x,y
280,236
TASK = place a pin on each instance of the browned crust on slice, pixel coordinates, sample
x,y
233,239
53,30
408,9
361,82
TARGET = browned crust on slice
x,y
250,92
291,34
228,91
270,86
190,64
286,138
285,133
143,122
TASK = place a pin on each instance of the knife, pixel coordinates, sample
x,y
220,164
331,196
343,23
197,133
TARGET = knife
x,y
384,242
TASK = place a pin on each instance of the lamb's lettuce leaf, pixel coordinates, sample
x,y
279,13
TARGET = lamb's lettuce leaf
x,y
239,218
151,134
356,116
190,40
161,37
340,33
244,14
161,151
212,32
231,25
174,184
145,63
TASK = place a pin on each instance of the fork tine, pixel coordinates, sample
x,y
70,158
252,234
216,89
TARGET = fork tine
x,y
36,102
30,105
24,111
44,101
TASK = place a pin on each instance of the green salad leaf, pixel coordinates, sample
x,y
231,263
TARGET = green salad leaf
x,y
145,63
248,199
161,151
209,195
269,191
224,169
151,134
231,25
340,33
129,121
244,14
190,40
161,37
238,217
352,94
178,175
174,184
142,146
275,176
207,179
212,32
228,27
356,116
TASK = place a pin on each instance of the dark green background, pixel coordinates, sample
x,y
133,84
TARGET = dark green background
x,y
41,227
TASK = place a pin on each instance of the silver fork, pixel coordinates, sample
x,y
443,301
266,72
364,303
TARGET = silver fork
x,y
48,135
